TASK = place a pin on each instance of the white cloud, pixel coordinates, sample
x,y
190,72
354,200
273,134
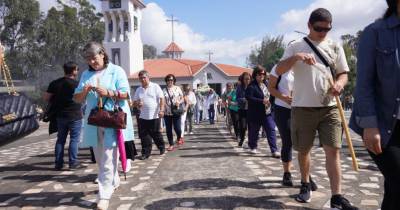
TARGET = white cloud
x,y
157,32
348,16
45,5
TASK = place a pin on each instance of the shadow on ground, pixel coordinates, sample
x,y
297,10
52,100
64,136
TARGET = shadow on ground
x,y
223,202
47,199
218,184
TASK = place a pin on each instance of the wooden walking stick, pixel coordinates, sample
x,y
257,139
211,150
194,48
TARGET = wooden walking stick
x,y
343,118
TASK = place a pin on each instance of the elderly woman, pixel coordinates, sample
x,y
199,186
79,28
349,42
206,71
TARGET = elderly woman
x,y
173,98
109,82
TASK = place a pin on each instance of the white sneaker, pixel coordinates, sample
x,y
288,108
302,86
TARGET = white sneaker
x,y
102,204
254,151
96,181
191,133
128,165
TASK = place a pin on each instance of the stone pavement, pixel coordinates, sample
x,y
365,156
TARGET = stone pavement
x,y
208,172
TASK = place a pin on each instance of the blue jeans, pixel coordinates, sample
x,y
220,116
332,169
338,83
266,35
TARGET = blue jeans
x,y
211,113
174,121
73,127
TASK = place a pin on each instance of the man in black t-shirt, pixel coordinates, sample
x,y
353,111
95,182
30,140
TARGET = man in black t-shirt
x,y
68,115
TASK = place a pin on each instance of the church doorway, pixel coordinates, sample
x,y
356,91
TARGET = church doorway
x,y
216,87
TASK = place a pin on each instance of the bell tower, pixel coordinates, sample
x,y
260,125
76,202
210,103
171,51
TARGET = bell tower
x,y
122,39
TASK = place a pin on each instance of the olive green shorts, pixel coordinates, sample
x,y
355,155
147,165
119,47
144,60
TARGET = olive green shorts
x,y
305,121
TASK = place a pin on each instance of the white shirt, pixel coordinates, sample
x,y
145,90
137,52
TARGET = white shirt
x,y
285,86
150,97
311,85
192,98
211,99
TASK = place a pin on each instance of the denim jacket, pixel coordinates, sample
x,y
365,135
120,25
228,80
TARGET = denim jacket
x,y
377,93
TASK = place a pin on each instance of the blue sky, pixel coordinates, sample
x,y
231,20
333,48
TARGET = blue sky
x,y
235,19
232,28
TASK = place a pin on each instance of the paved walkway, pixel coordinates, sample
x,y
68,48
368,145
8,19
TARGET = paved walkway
x,y
208,172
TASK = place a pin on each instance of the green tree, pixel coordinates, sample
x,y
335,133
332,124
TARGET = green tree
x,y
149,51
18,33
268,53
350,43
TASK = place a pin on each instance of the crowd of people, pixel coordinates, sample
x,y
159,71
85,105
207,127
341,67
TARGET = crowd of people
x,y
296,97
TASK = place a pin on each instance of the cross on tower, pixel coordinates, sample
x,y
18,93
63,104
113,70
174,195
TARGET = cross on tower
x,y
172,20
209,53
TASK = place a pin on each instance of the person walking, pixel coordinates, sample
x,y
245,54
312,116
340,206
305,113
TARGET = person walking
x,y
68,115
173,100
149,99
210,101
192,102
259,112
281,88
233,109
243,105
199,107
185,106
313,105
103,80
376,115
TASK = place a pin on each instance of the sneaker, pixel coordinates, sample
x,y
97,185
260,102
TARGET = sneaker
x,y
254,151
181,141
75,167
338,202
287,179
171,148
96,181
276,155
102,204
305,193
191,133
314,185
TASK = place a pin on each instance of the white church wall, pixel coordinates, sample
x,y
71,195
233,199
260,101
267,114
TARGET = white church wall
x,y
127,42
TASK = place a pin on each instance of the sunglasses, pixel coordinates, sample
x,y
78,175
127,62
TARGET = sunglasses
x,y
321,29
169,80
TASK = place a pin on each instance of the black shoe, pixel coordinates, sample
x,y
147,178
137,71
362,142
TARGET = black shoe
x,y
162,151
144,157
305,193
58,168
341,203
240,144
287,179
314,185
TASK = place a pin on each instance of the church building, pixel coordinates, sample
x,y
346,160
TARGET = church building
x,y
124,45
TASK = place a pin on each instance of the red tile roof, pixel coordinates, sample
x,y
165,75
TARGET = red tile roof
x,y
173,47
159,68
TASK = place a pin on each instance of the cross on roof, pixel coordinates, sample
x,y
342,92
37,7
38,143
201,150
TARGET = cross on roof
x,y
209,53
172,20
